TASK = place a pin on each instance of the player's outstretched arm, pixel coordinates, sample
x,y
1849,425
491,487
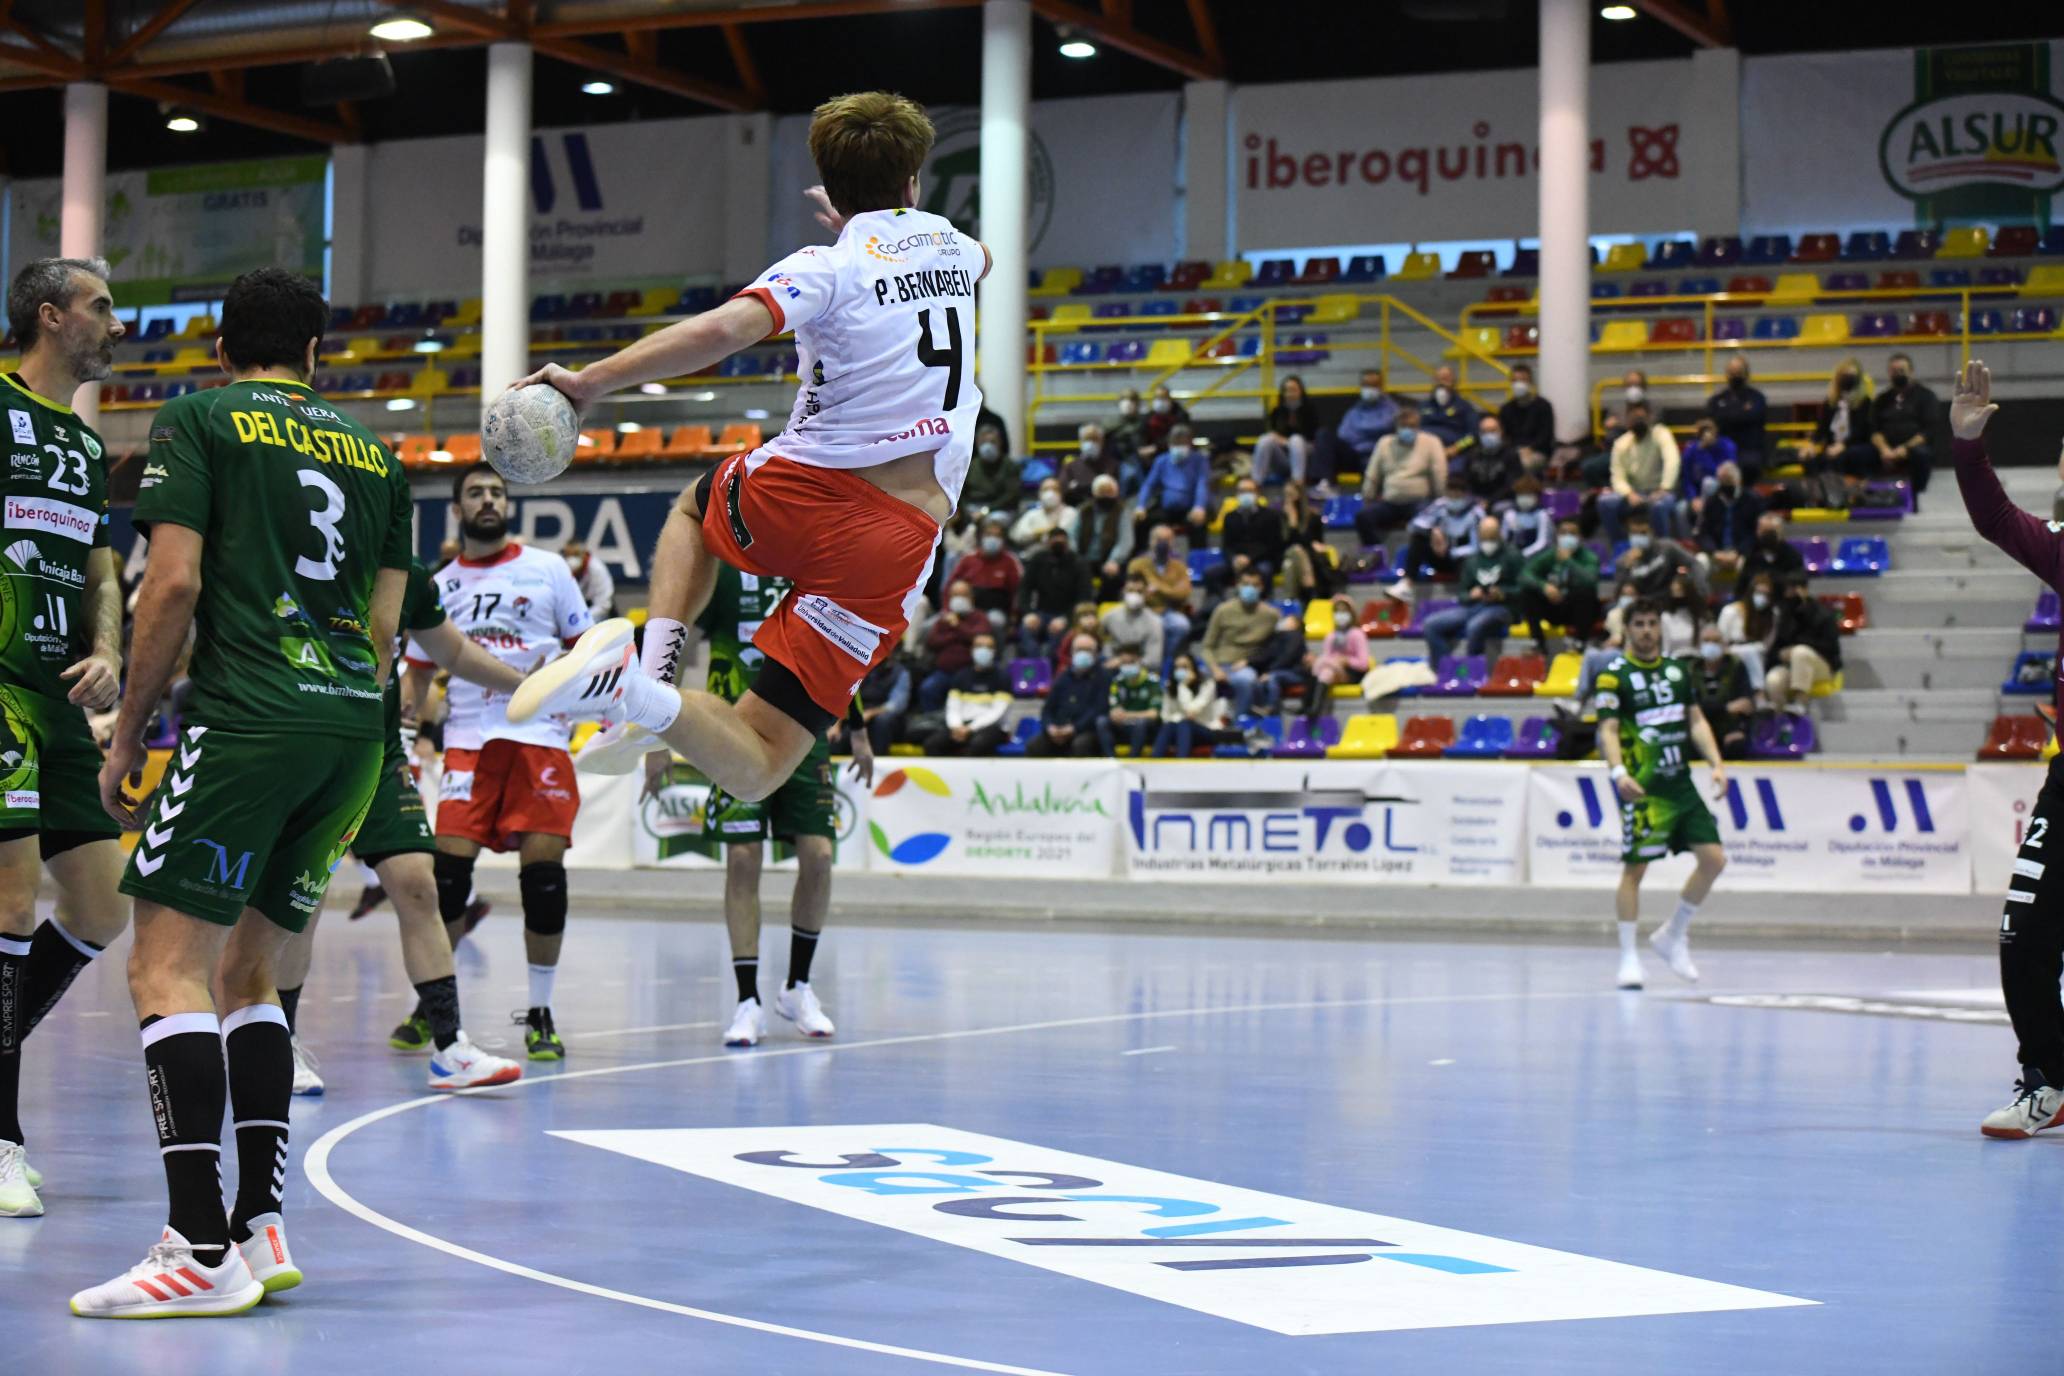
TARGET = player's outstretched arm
x,y
686,346
452,652
2022,536
164,616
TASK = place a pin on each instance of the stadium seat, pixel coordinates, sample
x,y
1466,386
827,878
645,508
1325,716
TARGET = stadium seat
x,y
1899,279
1875,325
1536,740
1478,341
1767,250
1930,323
1846,281
1169,353
2044,279
1563,672
395,383
2033,674
464,447
1110,310
1795,287
2052,244
1187,276
1624,258
1229,276
1867,246
689,442
1366,268
1849,611
1058,282
1482,738
1782,736
1506,294
1128,350
1913,244
1522,339
1309,738
1526,262
738,437
1204,561
1074,314
1078,353
1275,272
2015,241
1749,285
1730,328
1419,267
1999,276
203,327
1334,308
1425,736
1605,291
1698,286
415,449
1341,511
1561,503
1964,241
1651,287
1156,308
1202,305
1270,727
2045,618
1474,263
2034,320
1366,736
1514,676
1814,551
1107,277
1622,336
1308,350
1677,330
1030,678
595,444
1988,322
1817,248
1824,330
1457,676
1021,736
1861,556
1423,609
2015,736
1144,277
1719,251
1384,618
1670,254
1319,272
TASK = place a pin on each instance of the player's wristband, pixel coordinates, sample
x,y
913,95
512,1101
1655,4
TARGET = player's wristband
x,y
1619,772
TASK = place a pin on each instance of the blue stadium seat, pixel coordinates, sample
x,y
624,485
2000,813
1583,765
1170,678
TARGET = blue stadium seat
x,y
1698,286
1367,268
1204,561
1078,351
695,300
1526,262
1767,249
1867,246
1021,736
1482,738
1144,277
1672,253
2052,245
1341,511
1861,556
2033,673
1720,251
1160,306
1775,327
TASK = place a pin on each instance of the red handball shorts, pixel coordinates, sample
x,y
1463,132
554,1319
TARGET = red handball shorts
x,y
858,557
504,790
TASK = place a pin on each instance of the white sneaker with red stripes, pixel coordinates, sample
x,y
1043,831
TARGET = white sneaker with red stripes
x,y
170,1283
272,1265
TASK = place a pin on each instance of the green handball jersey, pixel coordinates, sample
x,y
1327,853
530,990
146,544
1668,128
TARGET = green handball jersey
x,y
421,610
56,515
301,507
1653,700
737,606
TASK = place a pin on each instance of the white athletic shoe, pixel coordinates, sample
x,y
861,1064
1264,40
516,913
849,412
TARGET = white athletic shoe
x,y
587,681
307,1079
620,749
2035,1107
1676,953
463,1065
35,1176
170,1283
18,1198
1630,971
748,1025
272,1265
799,1005
1403,591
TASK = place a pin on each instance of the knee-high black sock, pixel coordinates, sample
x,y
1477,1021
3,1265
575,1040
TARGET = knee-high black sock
x,y
290,1004
802,949
182,1059
746,970
55,959
454,874
437,1003
14,956
261,1085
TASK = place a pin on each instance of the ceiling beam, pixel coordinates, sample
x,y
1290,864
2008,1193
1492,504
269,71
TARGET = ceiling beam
x,y
1710,30
643,44
1127,39
742,60
279,57
1202,20
645,73
40,53
462,17
746,14
235,111
93,32
167,14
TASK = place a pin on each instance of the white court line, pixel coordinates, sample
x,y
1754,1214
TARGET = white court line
x,y
631,1031
317,1162
1146,1051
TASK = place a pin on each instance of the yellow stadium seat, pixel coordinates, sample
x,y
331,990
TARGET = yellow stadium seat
x,y
198,327
1418,267
905,748
1334,308
1828,687
1072,313
1168,353
1058,281
469,314
1819,515
1478,341
1794,286
2049,753
1227,275
1965,241
1823,330
429,381
1318,619
1104,609
465,346
1624,258
1561,682
2044,279
1620,336
188,359
656,301
1367,736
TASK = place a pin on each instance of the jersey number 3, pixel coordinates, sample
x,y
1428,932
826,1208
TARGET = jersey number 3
x,y
325,522
948,358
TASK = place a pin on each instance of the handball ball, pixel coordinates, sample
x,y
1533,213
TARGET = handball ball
x,y
529,433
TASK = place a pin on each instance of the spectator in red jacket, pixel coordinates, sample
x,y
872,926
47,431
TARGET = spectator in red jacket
x,y
949,643
993,572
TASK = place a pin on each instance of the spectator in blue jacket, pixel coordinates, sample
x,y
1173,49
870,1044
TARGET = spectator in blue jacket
x,y
1441,536
1347,446
1698,469
1727,522
1176,490
884,703
1741,413
1447,415
1076,718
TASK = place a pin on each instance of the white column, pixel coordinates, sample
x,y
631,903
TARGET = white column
x,y
505,221
84,193
350,192
1564,370
1006,135
1204,214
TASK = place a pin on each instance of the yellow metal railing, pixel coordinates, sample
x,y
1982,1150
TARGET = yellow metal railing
x,y
1706,383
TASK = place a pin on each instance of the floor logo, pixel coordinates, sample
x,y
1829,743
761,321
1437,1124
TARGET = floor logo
x,y
923,846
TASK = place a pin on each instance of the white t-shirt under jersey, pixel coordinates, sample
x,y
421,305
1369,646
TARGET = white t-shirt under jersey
x,y
521,606
884,322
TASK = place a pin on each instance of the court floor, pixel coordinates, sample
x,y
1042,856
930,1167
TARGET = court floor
x,y
1060,1150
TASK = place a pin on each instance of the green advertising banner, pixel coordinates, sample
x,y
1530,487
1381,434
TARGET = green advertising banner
x,y
185,233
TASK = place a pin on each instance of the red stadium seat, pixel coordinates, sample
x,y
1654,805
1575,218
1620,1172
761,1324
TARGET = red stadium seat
x,y
1385,618
1523,337
1474,263
1928,323
1187,276
1900,279
2015,241
1677,330
1514,676
1818,248
1319,271
1426,736
1850,613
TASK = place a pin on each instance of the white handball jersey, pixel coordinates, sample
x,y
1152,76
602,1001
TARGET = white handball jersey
x,y
884,322
520,606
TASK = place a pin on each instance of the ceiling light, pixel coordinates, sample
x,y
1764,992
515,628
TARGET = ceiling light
x,y
440,456
429,346
183,123
702,396
1617,12
1078,48
755,413
598,86
402,404
401,30
653,389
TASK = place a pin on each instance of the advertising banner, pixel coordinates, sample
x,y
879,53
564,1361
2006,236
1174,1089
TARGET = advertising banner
x,y
1326,822
674,829
2002,796
1796,830
186,233
1430,158
1915,137
1031,819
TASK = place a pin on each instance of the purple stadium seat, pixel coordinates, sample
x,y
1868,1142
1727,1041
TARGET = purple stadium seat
x,y
1847,281
1127,350
1814,551
1275,272
1720,251
2045,617
1536,740
1308,739
1561,502
1916,243
1730,327
1378,570
1999,277
1367,268
1030,678
1876,325
1782,736
1107,278
1459,677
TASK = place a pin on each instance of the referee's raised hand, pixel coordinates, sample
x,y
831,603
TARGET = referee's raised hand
x,y
1972,405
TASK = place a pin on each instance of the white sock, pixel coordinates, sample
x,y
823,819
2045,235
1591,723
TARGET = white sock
x,y
665,638
541,985
1627,946
650,703
1680,921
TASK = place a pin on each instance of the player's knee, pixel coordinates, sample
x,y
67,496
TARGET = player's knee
x,y
743,861
813,854
543,885
454,878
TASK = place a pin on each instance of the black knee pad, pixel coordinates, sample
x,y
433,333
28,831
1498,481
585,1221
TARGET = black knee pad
x,y
454,882
543,884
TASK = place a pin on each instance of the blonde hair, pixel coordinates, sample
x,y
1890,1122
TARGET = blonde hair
x,y
868,146
1863,382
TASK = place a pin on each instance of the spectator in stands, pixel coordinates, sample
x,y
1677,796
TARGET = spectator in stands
x,y
1406,469
1634,388
1528,527
1177,489
1528,420
1489,588
1084,622
1595,467
1490,467
885,702
1343,655
1283,666
1286,438
1727,522
1238,629
994,574
1167,576
986,418
1448,415
1075,718
1191,712
1103,536
1805,649
1311,566
1772,554
1904,420
1164,413
1347,447
1683,613
949,644
1645,465
1042,518
1560,587
1698,470
1056,579
1740,411
995,480
1094,455
1651,561
1748,624
1036,638
1135,701
1725,694
1123,436
597,588
1841,442
1253,534
1132,623
1440,537
976,705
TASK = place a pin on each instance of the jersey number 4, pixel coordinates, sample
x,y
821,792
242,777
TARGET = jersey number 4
x,y
948,358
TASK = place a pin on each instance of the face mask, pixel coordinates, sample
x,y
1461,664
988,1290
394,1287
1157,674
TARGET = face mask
x,y
1162,549
1058,549
1638,541
1489,546
1249,594
1737,384
1083,660
1106,503
1898,380
1521,387
1846,383
1442,396
992,544
1730,490
1640,429
1245,499
1130,670
1491,444
1293,400
1128,408
1343,619
1526,501
1091,448
1372,394
961,606
1567,543
1162,406
1636,393
1182,675
1135,600
1711,650
1407,435
984,656
1767,538
1049,500
1760,601
1626,602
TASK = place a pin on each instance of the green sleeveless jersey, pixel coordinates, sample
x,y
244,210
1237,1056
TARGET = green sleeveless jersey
x,y
1652,701
300,507
737,606
55,502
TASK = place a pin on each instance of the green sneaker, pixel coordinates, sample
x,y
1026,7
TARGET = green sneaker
x,y
412,1035
540,1038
